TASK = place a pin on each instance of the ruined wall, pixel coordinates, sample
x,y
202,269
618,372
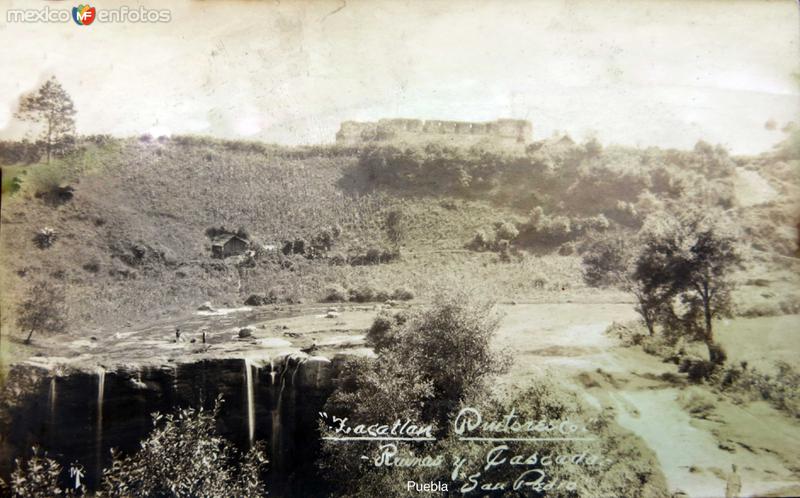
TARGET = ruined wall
x,y
502,132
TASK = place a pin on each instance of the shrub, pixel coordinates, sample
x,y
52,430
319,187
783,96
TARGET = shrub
x,y
92,266
599,223
335,294
395,226
481,241
363,294
717,353
566,249
382,295
383,333
504,251
373,256
593,147
697,369
45,237
297,246
271,297
322,241
45,180
36,477
11,184
403,294
698,403
452,335
506,230
209,465
781,389
337,259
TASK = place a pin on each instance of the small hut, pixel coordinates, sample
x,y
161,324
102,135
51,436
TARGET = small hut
x,y
228,245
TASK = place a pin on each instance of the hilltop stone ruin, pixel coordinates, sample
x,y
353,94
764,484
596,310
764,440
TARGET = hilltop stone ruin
x,y
501,132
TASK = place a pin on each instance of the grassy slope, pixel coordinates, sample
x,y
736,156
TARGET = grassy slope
x,y
160,199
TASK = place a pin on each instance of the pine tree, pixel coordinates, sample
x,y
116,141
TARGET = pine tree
x,y
52,108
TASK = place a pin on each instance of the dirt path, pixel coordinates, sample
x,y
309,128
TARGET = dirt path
x,y
568,342
751,188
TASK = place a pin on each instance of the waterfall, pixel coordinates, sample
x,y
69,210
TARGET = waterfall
x,y
275,444
51,401
101,387
280,393
251,407
317,375
271,372
296,368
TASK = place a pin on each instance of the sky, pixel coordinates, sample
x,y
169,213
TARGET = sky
x,y
635,72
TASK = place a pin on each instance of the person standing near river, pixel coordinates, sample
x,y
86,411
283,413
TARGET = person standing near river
x,y
734,484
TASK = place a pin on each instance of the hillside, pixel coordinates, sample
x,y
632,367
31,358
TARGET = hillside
x,y
132,245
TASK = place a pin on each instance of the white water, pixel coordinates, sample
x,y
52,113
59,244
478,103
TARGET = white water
x,y
271,372
52,401
101,388
274,342
251,407
223,311
294,372
276,426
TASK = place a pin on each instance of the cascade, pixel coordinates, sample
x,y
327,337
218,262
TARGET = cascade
x,y
251,407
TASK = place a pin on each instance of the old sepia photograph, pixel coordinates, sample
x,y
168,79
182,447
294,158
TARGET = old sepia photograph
x,y
400,248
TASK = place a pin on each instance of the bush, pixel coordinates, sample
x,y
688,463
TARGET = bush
x,y
697,369
209,465
92,266
781,389
717,353
481,241
297,246
383,333
452,335
37,477
403,294
271,297
698,403
566,249
45,180
337,259
45,237
374,256
382,295
363,294
506,230
335,294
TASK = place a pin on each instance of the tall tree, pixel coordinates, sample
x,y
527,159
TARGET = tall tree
x,y
611,260
43,310
52,108
692,255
